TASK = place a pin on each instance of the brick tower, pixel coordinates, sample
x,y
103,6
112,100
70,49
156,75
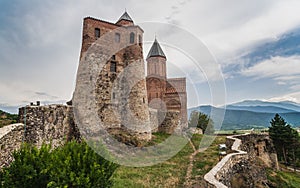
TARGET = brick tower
x,y
156,76
167,94
121,86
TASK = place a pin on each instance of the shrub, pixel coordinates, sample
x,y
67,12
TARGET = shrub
x,y
72,165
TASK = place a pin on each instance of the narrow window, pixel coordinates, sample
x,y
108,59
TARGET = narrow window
x,y
132,35
117,37
113,66
144,100
97,32
114,95
140,40
113,57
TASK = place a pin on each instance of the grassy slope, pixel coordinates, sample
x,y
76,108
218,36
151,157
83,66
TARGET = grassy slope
x,y
284,179
172,172
6,118
204,161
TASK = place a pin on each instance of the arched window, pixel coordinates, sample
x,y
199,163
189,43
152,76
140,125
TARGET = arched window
x,y
132,35
97,33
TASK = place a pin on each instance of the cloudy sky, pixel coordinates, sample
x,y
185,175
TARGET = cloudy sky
x,y
256,45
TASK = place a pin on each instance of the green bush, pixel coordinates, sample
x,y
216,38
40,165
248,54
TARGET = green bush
x,y
202,121
73,165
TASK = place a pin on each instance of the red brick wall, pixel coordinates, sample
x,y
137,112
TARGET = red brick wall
x,y
88,32
156,66
125,23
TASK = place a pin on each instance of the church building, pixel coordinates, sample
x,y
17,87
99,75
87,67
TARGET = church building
x,y
162,93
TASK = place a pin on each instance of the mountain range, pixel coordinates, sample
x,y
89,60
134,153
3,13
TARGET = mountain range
x,y
251,113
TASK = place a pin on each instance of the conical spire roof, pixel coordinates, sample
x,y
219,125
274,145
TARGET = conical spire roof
x,y
156,50
126,17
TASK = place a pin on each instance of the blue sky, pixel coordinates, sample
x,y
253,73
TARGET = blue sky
x,y
255,43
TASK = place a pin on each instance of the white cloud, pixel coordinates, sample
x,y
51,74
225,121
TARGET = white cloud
x,y
40,47
263,22
294,97
285,71
279,68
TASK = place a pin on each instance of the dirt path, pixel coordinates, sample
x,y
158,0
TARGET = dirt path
x,y
188,182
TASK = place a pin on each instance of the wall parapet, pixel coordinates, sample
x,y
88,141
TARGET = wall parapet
x,y
11,138
253,153
51,124
215,174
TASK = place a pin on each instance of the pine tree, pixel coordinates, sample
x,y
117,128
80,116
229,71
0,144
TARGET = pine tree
x,y
284,138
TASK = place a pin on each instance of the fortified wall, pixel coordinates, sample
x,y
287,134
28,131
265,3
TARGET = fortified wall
x,y
165,121
55,124
11,138
252,153
51,123
38,124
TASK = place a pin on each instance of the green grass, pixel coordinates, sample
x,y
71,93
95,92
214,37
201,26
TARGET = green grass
x,y
220,132
204,161
170,173
284,179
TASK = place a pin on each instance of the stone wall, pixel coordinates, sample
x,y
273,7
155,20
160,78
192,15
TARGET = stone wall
x,y
48,124
43,124
260,147
170,122
165,121
245,167
11,138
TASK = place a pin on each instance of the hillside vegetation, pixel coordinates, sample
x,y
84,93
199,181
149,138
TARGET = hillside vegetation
x,y
7,118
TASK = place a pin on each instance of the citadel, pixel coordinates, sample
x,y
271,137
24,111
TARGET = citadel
x,y
155,98
129,103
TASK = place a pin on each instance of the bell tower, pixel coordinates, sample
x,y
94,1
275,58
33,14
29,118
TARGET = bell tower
x,y
156,61
156,76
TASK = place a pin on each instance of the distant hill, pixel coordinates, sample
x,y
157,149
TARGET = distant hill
x,y
7,118
288,105
252,114
265,109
